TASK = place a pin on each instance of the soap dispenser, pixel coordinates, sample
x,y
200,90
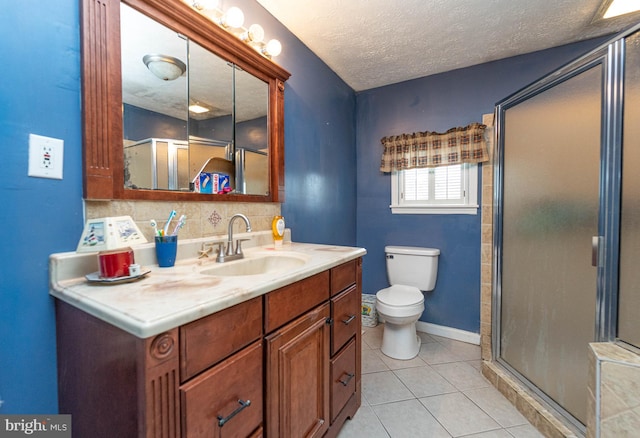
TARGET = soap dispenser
x,y
277,228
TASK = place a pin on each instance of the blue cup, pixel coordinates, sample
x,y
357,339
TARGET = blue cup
x,y
166,249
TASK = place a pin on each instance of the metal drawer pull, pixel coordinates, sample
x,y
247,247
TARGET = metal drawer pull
x,y
243,404
347,321
347,380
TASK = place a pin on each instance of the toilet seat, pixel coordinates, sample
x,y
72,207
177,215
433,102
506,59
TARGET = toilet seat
x,y
400,295
400,301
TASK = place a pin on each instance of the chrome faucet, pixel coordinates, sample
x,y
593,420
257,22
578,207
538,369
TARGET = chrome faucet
x,y
231,253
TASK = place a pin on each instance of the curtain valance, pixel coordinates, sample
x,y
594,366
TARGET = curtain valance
x,y
432,149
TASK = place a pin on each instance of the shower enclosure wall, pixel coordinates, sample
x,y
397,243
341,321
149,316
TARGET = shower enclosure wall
x,y
566,190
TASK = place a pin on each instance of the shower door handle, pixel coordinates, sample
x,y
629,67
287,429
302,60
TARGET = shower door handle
x,y
596,251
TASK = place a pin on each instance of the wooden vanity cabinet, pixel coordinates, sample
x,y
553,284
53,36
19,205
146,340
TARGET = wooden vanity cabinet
x,y
285,364
313,360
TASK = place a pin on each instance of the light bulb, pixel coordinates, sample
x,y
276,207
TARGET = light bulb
x,y
273,48
233,17
254,34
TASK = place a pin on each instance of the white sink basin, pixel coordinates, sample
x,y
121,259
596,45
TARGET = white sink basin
x,y
259,265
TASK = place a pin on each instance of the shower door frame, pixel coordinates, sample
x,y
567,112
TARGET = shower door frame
x,y
610,58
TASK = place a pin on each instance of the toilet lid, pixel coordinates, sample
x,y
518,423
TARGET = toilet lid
x,y
400,295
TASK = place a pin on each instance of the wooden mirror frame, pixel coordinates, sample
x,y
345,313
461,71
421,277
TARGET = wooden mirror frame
x,y
103,153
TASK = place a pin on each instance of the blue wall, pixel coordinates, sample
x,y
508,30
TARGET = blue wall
x,y
40,95
435,103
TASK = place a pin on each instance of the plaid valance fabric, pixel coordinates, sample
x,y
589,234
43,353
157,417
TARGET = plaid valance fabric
x,y
433,149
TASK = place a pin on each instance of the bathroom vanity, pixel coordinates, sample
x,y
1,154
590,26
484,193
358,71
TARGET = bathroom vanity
x,y
190,351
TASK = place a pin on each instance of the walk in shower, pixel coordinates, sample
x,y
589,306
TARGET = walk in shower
x,y
558,183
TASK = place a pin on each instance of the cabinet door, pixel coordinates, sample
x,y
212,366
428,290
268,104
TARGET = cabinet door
x,y
298,377
226,400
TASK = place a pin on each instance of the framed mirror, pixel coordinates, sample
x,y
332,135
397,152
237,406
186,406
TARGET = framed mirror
x,y
141,140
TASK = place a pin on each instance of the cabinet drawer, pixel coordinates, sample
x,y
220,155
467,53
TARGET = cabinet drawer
x,y
343,378
345,311
343,276
209,340
213,397
284,304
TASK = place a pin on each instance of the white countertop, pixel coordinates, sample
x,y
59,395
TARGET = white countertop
x,y
169,297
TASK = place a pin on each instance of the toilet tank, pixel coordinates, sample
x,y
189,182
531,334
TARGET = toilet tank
x,y
412,266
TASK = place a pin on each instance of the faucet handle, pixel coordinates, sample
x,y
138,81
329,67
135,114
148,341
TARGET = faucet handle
x,y
239,245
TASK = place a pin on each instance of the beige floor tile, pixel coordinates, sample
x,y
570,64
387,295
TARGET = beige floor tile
x,y
499,433
493,403
526,431
435,352
464,350
384,387
424,381
364,424
392,392
461,375
372,362
459,415
396,364
426,337
409,419
373,336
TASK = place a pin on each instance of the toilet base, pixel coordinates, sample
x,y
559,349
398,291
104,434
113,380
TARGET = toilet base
x,y
400,341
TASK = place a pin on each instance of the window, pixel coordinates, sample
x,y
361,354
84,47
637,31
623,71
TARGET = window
x,y
439,190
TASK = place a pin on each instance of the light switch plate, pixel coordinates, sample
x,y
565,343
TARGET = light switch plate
x,y
46,156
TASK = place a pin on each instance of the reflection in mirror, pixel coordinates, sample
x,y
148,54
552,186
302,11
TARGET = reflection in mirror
x,y
210,113
188,114
251,134
154,109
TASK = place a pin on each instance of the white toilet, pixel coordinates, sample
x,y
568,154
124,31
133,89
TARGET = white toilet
x,y
410,270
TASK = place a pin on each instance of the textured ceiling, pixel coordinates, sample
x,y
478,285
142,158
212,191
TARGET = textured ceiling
x,y
371,43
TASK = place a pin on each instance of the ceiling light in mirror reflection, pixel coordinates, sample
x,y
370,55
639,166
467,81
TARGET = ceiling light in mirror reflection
x,y
232,21
621,7
198,109
164,67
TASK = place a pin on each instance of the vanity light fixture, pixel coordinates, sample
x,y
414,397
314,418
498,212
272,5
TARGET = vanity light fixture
x,y
255,34
621,7
234,18
232,21
164,67
272,48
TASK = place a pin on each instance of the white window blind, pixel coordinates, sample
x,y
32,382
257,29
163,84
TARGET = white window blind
x,y
427,189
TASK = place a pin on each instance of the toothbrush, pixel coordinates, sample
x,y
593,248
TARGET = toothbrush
x,y
166,226
179,225
154,224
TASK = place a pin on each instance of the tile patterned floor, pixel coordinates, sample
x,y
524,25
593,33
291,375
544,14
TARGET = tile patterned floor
x,y
440,393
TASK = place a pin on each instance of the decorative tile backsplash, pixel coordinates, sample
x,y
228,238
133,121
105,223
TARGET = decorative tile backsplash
x,y
204,219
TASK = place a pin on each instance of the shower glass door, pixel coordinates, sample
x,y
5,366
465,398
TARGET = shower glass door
x,y
549,207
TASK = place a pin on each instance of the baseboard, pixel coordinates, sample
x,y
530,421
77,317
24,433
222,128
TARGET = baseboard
x,y
448,332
